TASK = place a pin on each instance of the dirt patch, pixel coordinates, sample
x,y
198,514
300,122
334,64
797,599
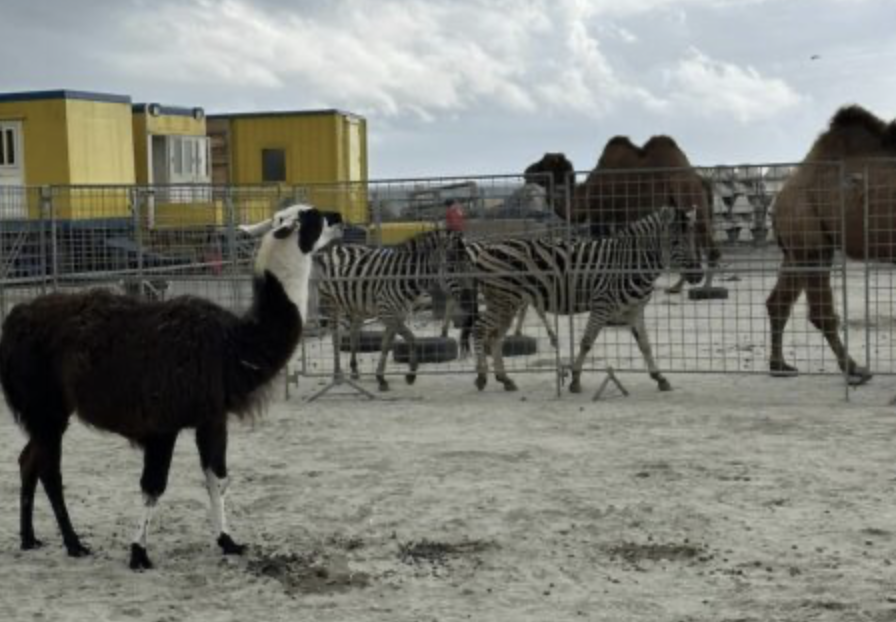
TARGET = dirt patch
x,y
441,554
635,554
314,573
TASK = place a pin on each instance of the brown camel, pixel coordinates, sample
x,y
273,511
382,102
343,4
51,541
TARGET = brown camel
x,y
843,169
628,183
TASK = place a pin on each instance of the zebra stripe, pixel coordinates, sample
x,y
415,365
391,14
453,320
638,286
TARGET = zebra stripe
x,y
362,282
610,278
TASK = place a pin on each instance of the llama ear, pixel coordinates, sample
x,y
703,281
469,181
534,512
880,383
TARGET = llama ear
x,y
257,229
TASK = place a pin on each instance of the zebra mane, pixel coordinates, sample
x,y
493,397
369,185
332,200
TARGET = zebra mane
x,y
663,217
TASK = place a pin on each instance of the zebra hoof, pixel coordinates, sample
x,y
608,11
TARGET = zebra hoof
x,y
383,384
355,375
509,385
575,387
410,378
780,369
664,385
481,381
858,376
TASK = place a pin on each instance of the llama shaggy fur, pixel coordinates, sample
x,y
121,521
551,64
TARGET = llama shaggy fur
x,y
147,370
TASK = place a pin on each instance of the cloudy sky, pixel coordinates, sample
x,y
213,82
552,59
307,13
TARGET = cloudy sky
x,y
482,86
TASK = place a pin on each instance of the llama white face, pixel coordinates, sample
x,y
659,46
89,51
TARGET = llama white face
x,y
315,228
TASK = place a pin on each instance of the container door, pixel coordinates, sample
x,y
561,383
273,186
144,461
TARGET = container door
x,y
12,171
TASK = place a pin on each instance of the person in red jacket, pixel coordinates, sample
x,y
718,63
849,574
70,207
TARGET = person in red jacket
x,y
454,215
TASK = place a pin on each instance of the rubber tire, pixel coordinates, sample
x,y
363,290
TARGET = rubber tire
x,y
519,345
429,350
369,341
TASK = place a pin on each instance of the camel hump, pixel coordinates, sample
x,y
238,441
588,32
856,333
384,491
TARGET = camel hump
x,y
661,141
890,136
621,142
854,116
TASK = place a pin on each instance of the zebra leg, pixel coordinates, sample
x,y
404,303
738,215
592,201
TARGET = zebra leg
x,y
449,313
596,321
639,332
498,353
521,320
480,334
677,287
355,338
336,333
388,338
409,338
555,343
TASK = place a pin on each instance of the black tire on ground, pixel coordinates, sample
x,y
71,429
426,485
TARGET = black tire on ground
x,y
369,341
429,350
708,293
519,345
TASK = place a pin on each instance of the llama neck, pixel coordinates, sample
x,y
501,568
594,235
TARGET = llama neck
x,y
290,266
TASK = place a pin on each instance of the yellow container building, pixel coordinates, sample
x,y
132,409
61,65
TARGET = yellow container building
x,y
322,151
72,138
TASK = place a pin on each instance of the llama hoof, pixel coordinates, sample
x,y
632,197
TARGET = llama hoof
x,y
229,547
663,384
76,549
481,381
410,378
139,558
32,543
859,376
780,369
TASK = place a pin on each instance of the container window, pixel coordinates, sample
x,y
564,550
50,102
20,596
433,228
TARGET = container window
x,y
3,147
7,147
178,156
273,165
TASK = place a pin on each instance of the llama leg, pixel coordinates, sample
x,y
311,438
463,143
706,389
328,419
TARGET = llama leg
x,y
385,347
596,321
157,453
28,465
211,441
824,317
639,332
779,304
48,454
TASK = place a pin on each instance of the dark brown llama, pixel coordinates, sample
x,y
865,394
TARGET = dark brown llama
x,y
148,370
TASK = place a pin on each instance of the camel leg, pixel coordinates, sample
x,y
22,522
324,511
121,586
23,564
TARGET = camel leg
x,y
157,453
48,456
779,305
211,441
823,316
639,332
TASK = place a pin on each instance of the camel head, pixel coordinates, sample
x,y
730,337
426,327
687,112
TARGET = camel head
x,y
553,169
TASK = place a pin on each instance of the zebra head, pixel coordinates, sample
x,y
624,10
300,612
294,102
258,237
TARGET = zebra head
x,y
682,252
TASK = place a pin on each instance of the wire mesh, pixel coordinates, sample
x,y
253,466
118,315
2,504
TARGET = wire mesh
x,y
163,241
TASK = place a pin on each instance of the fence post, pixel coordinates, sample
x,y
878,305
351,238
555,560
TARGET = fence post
x,y
867,266
45,216
137,195
844,273
232,258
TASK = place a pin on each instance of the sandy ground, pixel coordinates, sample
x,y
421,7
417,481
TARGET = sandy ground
x,y
731,498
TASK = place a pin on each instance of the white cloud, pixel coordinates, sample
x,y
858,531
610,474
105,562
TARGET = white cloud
x,y
712,86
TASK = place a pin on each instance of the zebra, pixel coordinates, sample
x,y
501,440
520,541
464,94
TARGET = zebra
x,y
361,282
610,278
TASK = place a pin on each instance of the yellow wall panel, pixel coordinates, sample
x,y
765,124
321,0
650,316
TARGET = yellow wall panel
x,y
101,144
